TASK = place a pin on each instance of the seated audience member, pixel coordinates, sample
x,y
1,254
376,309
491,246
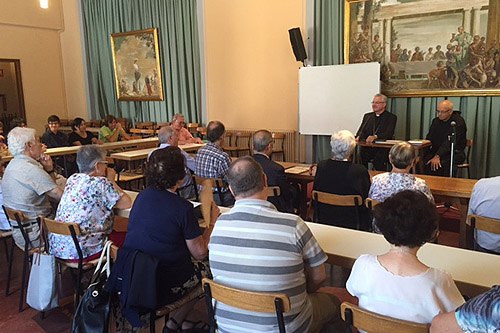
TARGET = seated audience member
x,y
80,136
17,122
112,131
485,201
4,223
402,159
168,137
53,138
480,314
212,162
29,182
183,134
438,157
339,175
163,225
89,199
262,150
397,283
245,259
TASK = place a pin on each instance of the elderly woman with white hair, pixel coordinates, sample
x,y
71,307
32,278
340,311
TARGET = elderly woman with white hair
x,y
89,199
402,159
29,182
339,175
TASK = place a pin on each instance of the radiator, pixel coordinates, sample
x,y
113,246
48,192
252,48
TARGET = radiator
x,y
289,145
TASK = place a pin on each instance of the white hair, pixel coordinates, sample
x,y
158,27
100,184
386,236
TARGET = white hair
x,y
18,137
343,144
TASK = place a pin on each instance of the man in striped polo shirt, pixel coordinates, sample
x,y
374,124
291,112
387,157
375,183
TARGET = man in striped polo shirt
x,y
254,247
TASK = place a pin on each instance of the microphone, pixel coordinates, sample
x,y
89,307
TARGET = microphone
x,y
453,124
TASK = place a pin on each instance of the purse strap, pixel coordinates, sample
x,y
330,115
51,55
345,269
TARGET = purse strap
x,y
106,253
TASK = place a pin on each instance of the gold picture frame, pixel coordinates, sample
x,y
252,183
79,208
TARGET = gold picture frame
x,y
454,45
136,63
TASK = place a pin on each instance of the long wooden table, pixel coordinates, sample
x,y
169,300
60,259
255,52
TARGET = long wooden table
x,y
62,151
474,272
452,190
142,154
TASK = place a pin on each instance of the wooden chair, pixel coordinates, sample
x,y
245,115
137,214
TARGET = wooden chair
x,y
273,191
227,139
354,201
371,203
202,132
241,144
192,128
466,164
246,300
215,182
278,145
21,223
145,125
65,122
372,322
483,223
72,230
95,123
143,133
160,125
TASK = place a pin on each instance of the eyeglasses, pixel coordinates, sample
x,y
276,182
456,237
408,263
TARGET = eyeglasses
x,y
442,111
378,102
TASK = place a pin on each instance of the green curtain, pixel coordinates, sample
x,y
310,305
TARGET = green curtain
x,y
481,114
178,40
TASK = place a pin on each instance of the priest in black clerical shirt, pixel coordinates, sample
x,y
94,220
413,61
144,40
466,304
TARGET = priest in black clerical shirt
x,y
376,125
438,158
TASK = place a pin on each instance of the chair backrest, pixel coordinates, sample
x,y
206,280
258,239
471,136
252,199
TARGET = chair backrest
x,y
278,138
273,191
18,216
62,228
95,123
371,203
375,323
160,125
145,125
114,252
337,199
355,201
242,139
227,138
143,132
192,127
468,146
278,303
484,223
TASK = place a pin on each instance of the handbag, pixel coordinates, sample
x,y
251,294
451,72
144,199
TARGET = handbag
x,y
42,292
93,311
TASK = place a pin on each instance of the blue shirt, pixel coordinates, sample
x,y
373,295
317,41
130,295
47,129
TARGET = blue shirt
x,y
482,313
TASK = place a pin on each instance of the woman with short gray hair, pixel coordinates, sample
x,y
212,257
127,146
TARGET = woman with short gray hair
x,y
89,199
402,159
339,175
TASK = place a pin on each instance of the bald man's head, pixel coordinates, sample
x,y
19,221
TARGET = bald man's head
x,y
445,110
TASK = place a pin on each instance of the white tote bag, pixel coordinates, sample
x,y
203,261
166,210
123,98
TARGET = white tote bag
x,y
42,291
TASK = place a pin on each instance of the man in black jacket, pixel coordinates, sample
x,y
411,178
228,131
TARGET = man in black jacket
x,y
438,157
376,125
262,150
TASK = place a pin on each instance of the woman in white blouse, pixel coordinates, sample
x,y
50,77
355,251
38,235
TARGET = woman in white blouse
x,y
397,283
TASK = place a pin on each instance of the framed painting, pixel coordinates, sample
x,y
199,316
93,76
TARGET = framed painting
x,y
137,65
427,47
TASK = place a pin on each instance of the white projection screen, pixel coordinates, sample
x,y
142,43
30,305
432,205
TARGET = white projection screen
x,y
334,98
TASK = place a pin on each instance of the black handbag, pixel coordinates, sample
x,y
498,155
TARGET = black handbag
x,y
93,311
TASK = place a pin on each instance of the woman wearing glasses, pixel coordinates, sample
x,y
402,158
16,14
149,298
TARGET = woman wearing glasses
x,y
89,198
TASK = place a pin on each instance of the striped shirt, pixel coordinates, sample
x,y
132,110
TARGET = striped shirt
x,y
254,247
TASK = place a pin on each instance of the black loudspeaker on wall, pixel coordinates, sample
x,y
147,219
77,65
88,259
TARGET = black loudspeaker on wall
x,y
297,44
